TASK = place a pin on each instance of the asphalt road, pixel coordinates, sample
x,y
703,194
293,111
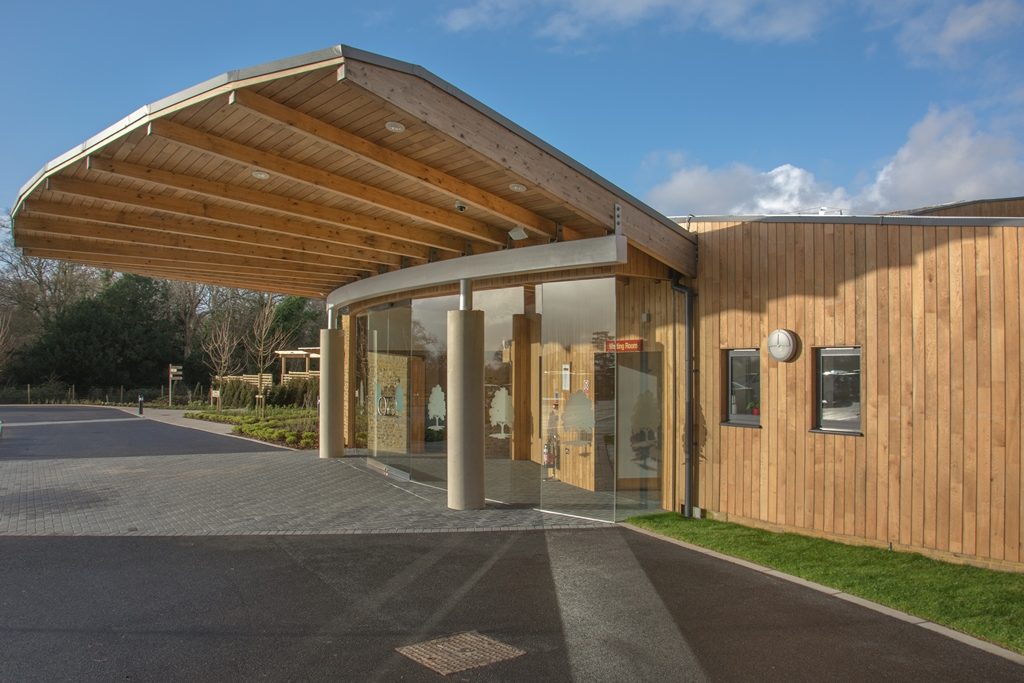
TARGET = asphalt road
x,y
86,432
603,604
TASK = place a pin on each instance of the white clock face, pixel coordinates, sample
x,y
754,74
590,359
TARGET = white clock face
x,y
781,345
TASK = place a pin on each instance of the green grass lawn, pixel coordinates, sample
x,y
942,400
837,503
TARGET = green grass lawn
x,y
295,427
981,602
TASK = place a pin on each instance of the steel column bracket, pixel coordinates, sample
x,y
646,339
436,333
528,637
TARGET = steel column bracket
x,y
559,236
468,251
432,255
618,219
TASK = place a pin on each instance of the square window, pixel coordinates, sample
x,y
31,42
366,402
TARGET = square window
x,y
838,389
743,392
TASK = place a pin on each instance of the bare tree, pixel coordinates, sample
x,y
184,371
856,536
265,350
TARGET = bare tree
x,y
7,341
221,344
190,304
35,290
264,336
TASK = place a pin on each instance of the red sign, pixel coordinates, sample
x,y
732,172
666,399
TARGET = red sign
x,y
623,345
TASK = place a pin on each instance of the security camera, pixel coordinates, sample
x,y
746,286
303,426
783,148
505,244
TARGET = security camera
x,y
460,206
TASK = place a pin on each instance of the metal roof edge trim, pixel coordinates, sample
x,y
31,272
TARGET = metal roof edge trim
x,y
899,219
233,76
588,253
952,205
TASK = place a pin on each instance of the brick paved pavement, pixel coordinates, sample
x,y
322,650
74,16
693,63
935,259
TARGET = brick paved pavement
x,y
66,487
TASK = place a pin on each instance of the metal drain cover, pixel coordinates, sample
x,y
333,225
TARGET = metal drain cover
x,y
460,652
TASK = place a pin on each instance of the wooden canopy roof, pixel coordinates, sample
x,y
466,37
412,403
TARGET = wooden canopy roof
x,y
293,177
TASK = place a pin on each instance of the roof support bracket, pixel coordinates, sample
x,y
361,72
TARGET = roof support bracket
x,y
559,234
432,256
618,219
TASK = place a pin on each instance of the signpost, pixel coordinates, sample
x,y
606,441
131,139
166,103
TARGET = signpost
x,y
173,374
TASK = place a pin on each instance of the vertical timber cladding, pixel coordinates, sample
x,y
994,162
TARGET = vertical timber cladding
x,y
938,313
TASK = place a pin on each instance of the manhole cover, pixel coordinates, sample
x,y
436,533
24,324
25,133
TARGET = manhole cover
x,y
460,652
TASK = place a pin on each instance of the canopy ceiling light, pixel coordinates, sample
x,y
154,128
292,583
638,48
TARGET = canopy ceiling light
x,y
518,233
395,126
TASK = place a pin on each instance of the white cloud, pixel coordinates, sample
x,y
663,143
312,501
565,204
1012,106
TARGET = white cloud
x,y
571,20
485,14
946,158
929,32
943,31
742,189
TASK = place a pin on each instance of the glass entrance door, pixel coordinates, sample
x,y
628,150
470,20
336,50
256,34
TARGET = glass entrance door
x,y
577,397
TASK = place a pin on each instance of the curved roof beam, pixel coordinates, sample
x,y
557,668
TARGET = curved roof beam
x,y
385,158
351,189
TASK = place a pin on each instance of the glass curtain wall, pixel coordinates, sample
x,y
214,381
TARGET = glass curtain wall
x,y
575,393
402,387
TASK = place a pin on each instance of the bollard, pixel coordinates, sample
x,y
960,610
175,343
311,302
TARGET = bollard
x,y
140,404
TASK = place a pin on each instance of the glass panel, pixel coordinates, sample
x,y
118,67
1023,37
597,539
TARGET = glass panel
x,y
744,398
639,459
509,473
647,337
428,389
839,389
577,397
387,383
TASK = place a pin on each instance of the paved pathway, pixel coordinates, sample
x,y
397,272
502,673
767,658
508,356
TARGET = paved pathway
x,y
94,471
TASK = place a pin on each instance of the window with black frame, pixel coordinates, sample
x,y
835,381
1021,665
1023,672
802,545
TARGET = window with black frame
x,y
838,387
743,392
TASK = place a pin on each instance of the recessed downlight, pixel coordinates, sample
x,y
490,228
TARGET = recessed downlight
x,y
260,175
395,126
517,187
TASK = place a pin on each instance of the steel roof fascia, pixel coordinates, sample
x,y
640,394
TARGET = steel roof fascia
x,y
588,253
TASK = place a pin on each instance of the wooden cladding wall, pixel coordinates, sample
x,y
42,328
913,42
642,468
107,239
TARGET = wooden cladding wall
x,y
938,312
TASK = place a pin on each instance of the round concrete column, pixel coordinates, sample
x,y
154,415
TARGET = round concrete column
x,y
332,383
465,410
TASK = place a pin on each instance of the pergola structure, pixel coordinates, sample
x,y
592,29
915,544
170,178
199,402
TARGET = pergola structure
x,y
340,175
305,174
306,354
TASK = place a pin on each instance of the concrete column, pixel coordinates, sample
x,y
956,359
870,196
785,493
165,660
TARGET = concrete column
x,y
332,377
465,410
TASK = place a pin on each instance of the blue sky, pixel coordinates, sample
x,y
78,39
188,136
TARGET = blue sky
x,y
697,106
